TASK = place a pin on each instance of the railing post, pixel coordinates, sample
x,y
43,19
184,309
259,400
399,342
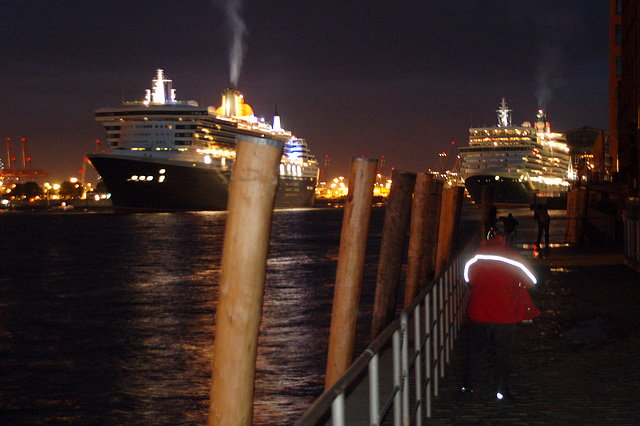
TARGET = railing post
x,y
397,378
447,314
404,326
417,347
436,338
441,325
337,411
374,390
428,351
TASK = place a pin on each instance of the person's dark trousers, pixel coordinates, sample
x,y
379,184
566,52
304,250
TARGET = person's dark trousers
x,y
481,334
543,229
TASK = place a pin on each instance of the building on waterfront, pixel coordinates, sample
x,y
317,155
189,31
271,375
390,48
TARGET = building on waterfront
x,y
624,96
590,156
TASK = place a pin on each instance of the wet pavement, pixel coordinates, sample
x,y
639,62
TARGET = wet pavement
x,y
578,362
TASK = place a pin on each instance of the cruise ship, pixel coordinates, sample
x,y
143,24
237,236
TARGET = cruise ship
x,y
518,162
162,154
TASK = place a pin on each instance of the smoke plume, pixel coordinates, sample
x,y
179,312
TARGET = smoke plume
x,y
554,32
238,32
548,73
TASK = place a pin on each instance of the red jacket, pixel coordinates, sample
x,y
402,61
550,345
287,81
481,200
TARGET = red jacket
x,y
499,279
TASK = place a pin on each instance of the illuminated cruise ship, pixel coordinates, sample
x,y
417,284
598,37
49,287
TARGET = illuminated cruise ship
x,y
516,161
169,155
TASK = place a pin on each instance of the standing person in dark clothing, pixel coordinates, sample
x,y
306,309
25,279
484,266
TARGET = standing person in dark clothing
x,y
541,215
510,224
499,279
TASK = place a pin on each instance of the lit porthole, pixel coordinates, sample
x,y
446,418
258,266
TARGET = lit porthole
x,y
134,177
142,177
149,178
162,171
161,178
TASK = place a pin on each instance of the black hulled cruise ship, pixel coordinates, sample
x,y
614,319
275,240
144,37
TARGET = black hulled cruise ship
x,y
519,163
169,155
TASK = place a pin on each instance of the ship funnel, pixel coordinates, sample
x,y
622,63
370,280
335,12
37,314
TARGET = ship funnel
x,y
276,121
542,125
231,100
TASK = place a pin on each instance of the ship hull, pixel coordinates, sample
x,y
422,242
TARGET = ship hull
x,y
505,191
138,184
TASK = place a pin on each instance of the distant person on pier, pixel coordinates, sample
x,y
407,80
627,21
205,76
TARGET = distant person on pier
x,y
499,299
510,223
541,215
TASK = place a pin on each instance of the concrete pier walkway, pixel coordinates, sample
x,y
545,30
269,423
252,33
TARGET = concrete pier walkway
x,y
578,363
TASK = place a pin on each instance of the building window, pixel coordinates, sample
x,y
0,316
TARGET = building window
x,y
619,7
619,66
618,35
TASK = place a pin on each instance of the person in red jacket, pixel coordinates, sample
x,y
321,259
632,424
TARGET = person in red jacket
x,y
499,279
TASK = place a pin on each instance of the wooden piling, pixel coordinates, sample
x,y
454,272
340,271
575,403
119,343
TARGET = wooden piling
x,y
449,221
244,256
423,234
396,223
353,244
433,231
577,205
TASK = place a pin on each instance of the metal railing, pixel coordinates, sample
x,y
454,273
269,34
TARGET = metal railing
x,y
413,351
632,231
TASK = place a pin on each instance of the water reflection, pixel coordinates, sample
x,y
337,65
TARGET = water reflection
x,y
110,319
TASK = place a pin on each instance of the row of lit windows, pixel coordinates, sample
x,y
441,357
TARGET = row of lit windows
x,y
146,112
495,149
149,178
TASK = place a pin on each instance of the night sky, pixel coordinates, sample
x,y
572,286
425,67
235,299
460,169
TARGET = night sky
x,y
400,79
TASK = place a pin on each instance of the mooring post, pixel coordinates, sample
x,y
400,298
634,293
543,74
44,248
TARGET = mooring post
x,y
423,234
254,181
394,232
433,231
570,224
415,252
353,244
449,221
577,207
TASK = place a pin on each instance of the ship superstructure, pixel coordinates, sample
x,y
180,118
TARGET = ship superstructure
x,y
516,161
164,154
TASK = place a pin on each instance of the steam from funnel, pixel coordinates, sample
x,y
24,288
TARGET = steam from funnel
x,y
238,31
554,31
547,75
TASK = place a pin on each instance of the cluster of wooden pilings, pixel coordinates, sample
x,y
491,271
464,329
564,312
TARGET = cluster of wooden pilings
x,y
418,205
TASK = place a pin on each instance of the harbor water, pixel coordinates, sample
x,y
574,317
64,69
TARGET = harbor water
x,y
110,319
